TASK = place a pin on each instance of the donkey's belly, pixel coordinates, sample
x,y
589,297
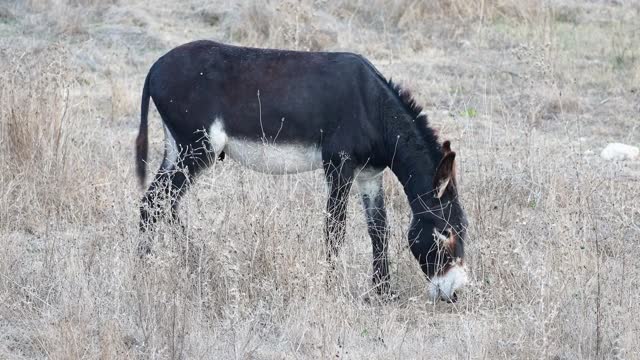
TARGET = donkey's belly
x,y
274,158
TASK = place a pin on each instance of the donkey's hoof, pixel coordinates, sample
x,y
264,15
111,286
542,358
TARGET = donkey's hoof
x,y
144,249
378,297
389,297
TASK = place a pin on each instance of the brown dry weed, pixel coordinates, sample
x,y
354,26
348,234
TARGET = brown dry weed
x,y
529,93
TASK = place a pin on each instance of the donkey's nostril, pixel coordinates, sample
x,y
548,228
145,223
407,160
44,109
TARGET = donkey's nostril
x,y
453,298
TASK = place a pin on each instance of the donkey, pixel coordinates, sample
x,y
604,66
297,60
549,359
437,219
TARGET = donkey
x,y
283,112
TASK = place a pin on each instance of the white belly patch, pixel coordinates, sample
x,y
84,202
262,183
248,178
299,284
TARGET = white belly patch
x,y
274,158
265,157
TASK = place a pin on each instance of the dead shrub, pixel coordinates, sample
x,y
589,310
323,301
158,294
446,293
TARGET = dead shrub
x,y
38,137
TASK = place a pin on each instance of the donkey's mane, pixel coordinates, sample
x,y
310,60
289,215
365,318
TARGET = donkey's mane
x,y
407,99
420,119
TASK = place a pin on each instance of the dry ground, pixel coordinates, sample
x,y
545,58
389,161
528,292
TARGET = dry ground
x,y
529,92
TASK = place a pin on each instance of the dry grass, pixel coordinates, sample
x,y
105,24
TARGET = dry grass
x,y
526,92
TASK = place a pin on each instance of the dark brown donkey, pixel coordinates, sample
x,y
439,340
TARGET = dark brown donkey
x,y
282,112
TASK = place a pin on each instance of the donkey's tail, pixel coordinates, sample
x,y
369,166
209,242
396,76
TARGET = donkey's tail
x,y
142,142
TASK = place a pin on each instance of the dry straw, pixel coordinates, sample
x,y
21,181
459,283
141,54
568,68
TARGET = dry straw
x,y
526,91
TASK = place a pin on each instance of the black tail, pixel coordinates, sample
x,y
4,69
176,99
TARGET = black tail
x,y
142,142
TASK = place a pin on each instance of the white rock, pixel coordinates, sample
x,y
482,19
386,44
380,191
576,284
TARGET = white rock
x,y
617,151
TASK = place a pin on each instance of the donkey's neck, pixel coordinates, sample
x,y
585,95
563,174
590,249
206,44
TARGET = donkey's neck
x,y
414,158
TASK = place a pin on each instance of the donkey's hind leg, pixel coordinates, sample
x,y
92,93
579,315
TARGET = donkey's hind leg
x,y
339,175
184,176
170,184
372,192
168,187
178,169
151,210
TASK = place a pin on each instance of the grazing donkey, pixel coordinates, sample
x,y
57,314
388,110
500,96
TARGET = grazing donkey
x,y
283,112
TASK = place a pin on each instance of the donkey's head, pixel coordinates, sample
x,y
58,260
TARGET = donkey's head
x,y
437,235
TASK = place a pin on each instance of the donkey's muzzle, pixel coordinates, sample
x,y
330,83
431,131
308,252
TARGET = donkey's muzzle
x,y
451,300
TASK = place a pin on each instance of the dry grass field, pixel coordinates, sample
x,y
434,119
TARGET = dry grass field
x,y
528,91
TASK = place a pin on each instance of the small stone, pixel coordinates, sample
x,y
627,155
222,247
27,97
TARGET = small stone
x,y
619,152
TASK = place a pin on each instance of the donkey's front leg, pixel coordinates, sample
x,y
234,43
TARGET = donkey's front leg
x,y
370,186
339,179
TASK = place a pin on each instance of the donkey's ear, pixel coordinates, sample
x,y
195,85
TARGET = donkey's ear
x,y
445,173
446,147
